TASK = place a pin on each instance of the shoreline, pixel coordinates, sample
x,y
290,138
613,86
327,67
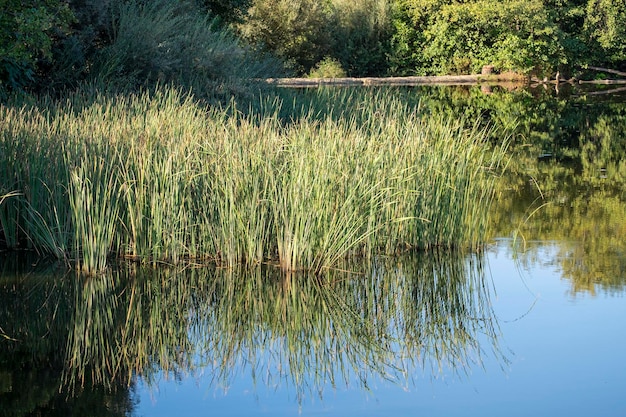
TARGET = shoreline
x,y
510,79
471,79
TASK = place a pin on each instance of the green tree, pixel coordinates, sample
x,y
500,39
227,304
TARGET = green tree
x,y
410,18
443,37
569,16
361,33
605,24
28,30
294,30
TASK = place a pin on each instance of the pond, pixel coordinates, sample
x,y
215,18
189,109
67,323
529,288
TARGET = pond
x,y
532,324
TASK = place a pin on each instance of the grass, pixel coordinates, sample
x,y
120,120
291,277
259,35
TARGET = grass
x,y
159,178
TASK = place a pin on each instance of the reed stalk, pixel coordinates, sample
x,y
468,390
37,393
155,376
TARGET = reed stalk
x,y
160,178
93,198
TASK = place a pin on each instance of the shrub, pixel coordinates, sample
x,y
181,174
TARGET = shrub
x,y
361,34
294,30
28,30
605,24
328,68
443,37
73,55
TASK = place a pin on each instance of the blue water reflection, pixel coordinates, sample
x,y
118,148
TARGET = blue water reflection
x,y
564,352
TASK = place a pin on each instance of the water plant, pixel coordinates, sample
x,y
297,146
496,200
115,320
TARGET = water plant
x,y
158,178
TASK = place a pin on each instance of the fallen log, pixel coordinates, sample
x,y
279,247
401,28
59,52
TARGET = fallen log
x,y
608,82
401,81
610,71
611,91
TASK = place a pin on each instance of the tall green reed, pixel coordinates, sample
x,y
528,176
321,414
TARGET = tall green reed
x,y
93,199
159,178
31,151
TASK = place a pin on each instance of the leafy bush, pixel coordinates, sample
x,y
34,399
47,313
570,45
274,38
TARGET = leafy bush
x,y
328,68
73,55
605,24
28,30
294,30
444,37
303,32
361,33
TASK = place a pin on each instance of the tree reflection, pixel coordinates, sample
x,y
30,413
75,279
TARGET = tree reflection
x,y
572,191
566,177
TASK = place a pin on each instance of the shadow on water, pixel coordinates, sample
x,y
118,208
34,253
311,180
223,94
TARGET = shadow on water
x,y
69,342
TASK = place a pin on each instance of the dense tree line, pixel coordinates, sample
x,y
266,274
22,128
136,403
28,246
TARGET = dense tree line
x,y
56,43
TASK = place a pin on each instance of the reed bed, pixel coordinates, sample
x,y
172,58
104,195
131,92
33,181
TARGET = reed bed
x,y
159,178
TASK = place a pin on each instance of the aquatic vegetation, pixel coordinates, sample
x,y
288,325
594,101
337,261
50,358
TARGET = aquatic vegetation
x,y
159,178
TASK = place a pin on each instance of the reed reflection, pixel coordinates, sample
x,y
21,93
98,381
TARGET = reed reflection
x,y
399,320
37,311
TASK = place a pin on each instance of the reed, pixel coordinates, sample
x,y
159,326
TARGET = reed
x,y
160,178
93,199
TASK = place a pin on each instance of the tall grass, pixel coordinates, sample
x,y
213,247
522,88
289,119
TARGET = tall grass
x,y
160,178
93,198
164,41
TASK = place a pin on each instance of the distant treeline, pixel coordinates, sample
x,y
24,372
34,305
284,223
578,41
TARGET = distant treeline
x,y
205,44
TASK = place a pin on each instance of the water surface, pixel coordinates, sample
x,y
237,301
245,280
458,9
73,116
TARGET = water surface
x,y
532,325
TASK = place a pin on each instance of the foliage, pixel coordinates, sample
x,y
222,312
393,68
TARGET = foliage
x,y
303,32
361,32
569,16
294,30
605,24
175,42
448,37
28,30
129,44
73,56
327,68
210,46
228,11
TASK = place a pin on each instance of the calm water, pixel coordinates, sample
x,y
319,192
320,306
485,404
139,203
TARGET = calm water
x,y
563,349
534,325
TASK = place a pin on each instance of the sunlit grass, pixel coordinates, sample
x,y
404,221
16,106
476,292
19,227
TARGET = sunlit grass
x,y
161,179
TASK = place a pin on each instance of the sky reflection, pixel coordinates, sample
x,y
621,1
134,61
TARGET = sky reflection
x,y
564,355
